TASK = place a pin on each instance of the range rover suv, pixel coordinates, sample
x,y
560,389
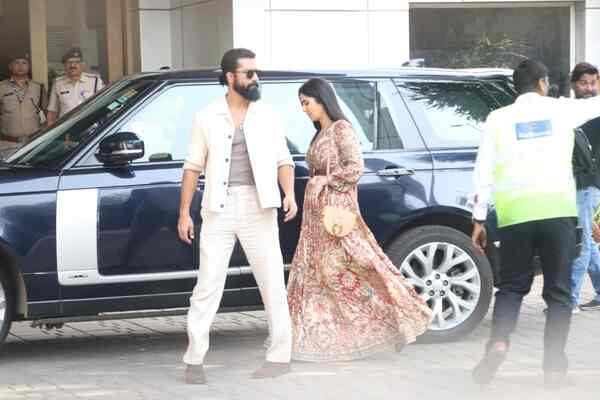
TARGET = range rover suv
x,y
89,207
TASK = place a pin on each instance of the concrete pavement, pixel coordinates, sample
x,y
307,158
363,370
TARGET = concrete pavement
x,y
141,359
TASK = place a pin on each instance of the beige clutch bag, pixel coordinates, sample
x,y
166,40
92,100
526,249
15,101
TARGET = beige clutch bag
x,y
337,221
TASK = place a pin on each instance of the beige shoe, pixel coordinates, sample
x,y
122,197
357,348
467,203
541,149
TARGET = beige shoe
x,y
271,370
194,374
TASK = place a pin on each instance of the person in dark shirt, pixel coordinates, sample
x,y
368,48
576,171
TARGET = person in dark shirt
x,y
584,82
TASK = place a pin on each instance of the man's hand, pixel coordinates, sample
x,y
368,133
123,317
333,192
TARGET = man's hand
x,y
479,236
289,207
185,227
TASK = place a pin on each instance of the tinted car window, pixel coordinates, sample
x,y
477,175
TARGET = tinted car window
x,y
356,99
451,114
395,127
503,92
57,143
297,127
164,124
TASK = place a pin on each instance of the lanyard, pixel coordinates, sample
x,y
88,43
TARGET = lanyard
x,y
18,91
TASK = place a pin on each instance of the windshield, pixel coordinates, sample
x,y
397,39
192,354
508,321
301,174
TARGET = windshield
x,y
54,145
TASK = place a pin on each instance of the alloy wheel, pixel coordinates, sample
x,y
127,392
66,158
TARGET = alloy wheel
x,y
447,278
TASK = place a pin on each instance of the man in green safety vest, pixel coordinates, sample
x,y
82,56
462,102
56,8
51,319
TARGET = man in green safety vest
x,y
524,167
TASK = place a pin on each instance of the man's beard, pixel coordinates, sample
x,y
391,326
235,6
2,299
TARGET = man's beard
x,y
250,92
585,95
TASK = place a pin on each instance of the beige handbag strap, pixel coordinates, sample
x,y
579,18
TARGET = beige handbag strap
x,y
327,172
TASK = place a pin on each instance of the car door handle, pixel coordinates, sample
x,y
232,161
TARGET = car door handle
x,y
395,172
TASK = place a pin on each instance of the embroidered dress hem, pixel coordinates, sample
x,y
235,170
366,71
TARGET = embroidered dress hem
x,y
353,355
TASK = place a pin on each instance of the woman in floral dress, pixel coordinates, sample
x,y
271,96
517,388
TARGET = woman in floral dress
x,y
347,300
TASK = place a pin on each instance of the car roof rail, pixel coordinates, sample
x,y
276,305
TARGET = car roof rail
x,y
414,62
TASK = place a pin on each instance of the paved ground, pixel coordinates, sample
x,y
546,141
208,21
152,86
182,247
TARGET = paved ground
x,y
141,359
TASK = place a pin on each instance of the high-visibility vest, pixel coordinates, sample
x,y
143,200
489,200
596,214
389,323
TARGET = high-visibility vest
x,y
533,174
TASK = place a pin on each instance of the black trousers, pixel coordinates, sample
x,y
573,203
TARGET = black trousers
x,y
554,240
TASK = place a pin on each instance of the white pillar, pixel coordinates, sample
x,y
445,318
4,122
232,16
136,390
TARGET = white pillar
x,y
389,42
327,34
155,34
592,31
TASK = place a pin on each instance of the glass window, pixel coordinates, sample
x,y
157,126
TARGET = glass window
x,y
396,129
503,92
297,127
451,114
356,99
501,36
77,23
164,124
54,145
387,131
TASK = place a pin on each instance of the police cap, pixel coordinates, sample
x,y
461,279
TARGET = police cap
x,y
72,53
19,56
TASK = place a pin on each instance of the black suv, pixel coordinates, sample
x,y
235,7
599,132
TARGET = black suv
x,y
88,208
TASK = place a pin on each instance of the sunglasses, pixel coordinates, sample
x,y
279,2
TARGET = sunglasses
x,y
250,73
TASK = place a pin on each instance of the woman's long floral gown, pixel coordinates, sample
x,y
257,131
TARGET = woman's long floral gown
x,y
347,300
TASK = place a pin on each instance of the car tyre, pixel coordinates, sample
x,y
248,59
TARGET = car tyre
x,y
7,304
453,277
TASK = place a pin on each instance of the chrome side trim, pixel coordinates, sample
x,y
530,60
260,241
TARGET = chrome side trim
x,y
248,270
93,277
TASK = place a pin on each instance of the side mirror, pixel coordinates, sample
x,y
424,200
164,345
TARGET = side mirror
x,y
120,148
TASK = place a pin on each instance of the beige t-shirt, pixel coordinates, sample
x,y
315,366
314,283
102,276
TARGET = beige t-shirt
x,y
240,171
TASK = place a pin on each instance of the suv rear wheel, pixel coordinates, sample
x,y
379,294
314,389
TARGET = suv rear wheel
x,y
454,278
7,307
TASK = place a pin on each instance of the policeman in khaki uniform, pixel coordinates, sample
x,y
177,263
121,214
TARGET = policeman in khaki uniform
x,y
73,88
22,102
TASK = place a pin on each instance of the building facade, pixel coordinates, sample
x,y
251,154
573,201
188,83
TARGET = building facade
x,y
371,33
119,37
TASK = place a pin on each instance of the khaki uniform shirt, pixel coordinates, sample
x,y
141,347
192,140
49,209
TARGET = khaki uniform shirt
x,y
66,94
19,111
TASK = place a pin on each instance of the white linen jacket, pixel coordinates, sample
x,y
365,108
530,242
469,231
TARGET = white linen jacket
x,y
209,151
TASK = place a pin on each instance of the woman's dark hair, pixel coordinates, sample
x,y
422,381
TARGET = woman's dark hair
x,y
320,90
230,61
527,75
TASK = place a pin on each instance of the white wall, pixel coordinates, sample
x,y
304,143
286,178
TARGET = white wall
x,y
323,33
592,31
155,34
206,31
301,33
184,33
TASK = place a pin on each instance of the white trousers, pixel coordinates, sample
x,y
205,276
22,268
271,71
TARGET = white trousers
x,y
257,230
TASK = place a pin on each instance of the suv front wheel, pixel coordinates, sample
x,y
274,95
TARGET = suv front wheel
x,y
447,272
6,304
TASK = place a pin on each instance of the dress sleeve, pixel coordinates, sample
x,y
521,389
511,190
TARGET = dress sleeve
x,y
350,165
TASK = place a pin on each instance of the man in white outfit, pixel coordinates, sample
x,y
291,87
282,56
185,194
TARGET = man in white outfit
x,y
238,143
